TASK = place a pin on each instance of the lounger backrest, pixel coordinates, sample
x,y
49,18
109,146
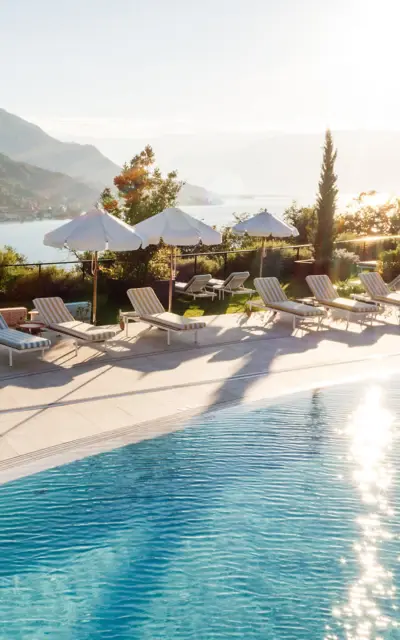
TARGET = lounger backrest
x,y
322,287
145,301
52,310
374,284
3,323
270,290
197,283
235,280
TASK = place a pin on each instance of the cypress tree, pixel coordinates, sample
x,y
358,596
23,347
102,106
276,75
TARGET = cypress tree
x,y
326,205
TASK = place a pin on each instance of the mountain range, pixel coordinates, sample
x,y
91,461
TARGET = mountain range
x,y
37,170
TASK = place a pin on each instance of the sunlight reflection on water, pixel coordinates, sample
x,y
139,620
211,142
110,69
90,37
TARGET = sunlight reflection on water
x,y
370,432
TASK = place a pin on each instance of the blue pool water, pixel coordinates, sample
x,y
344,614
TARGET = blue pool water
x,y
256,522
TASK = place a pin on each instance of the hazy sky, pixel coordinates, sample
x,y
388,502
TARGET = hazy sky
x,y
135,67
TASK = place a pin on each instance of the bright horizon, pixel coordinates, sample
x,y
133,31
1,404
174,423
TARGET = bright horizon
x,y
134,70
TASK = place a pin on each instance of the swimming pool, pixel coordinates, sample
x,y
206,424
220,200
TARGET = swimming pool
x,y
274,521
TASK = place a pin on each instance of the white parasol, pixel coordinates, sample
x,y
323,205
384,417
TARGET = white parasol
x,y
265,225
95,231
177,229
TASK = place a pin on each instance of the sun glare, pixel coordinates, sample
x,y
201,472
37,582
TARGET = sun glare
x,y
370,432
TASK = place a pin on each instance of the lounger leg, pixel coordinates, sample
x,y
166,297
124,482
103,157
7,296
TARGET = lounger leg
x,y
294,323
168,338
348,320
10,358
126,328
42,354
195,337
76,348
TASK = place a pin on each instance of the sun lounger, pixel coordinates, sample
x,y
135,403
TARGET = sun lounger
x,y
196,287
274,299
150,310
326,295
233,284
18,342
379,291
56,316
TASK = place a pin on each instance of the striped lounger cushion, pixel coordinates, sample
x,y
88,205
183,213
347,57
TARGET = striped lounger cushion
x,y
391,298
53,310
18,340
57,317
22,341
83,331
270,290
322,287
145,301
325,292
378,289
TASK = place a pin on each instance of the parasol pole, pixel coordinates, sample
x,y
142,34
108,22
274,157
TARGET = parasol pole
x,y
262,256
170,279
95,266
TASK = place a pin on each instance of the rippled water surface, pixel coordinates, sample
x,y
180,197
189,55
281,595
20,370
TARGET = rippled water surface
x,y
256,522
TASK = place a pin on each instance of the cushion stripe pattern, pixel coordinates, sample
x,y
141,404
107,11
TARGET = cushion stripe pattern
x,y
145,301
392,298
3,323
322,287
52,310
270,290
83,331
374,284
174,322
22,341
354,306
297,308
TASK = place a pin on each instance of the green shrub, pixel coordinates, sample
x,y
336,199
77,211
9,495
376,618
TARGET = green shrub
x,y
343,264
347,287
389,264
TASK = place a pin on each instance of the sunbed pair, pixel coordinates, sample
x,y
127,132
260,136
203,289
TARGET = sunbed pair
x,y
326,295
204,286
380,292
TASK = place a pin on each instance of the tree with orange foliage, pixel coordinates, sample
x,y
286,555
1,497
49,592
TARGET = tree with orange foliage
x,y
142,189
142,192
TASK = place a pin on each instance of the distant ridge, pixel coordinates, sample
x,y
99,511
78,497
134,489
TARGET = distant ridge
x,y
26,142
23,186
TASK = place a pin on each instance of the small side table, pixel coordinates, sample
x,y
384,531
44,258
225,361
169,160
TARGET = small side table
x,y
127,317
34,328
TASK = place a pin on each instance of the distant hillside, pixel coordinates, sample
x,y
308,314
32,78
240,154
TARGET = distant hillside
x,y
23,185
26,142
190,194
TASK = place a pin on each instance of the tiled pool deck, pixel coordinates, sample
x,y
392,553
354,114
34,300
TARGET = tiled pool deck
x,y
67,407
